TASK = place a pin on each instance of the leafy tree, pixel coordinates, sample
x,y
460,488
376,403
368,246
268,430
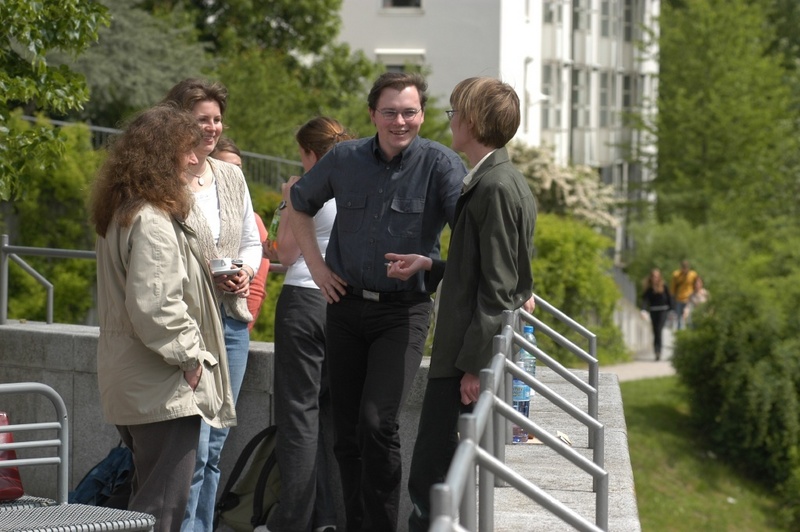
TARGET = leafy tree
x,y
135,62
571,271
233,26
572,190
724,127
52,214
29,31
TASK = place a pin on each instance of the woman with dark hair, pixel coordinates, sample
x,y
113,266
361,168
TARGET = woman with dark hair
x,y
302,399
657,301
222,217
161,358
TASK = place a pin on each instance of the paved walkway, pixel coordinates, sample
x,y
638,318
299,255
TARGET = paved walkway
x,y
644,365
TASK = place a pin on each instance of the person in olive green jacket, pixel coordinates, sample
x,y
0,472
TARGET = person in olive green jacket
x,y
487,272
161,359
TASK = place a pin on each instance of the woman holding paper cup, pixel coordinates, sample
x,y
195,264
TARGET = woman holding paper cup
x,y
223,218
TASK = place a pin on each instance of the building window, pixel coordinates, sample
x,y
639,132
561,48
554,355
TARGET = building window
x,y
552,11
402,3
400,59
608,99
580,98
627,92
581,15
628,20
551,88
609,22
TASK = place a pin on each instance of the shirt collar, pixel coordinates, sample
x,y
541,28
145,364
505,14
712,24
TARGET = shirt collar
x,y
405,154
468,178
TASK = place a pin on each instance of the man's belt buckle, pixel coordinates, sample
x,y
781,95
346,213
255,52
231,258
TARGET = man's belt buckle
x,y
372,296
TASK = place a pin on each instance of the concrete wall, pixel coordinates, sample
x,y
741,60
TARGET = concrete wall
x,y
63,356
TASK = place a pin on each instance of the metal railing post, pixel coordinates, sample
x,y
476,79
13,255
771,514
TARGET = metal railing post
x,y
469,505
486,482
3,280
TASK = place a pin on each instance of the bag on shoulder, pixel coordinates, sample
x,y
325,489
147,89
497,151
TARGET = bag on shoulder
x,y
106,479
252,492
10,481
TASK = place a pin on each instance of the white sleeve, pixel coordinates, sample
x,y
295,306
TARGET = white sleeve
x,y
250,246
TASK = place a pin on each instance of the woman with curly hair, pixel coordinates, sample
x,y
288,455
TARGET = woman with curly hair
x,y
161,358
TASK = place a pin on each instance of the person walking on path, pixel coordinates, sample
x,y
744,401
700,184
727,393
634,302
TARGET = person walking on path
x,y
394,192
302,395
681,286
698,297
656,301
488,271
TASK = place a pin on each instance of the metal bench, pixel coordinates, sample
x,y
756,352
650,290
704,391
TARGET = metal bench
x,y
36,514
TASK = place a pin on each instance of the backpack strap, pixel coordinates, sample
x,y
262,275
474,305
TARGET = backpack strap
x,y
241,463
259,512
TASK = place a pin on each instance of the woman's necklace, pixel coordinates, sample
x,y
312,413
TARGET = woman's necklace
x,y
200,180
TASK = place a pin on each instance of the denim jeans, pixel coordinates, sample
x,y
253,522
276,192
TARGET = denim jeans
x,y
203,493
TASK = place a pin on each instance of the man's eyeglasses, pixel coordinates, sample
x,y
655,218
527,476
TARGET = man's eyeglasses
x,y
391,114
450,113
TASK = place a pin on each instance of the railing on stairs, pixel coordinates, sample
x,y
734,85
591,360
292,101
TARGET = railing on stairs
x,y
486,431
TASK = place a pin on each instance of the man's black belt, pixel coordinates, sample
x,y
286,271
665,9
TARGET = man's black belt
x,y
385,297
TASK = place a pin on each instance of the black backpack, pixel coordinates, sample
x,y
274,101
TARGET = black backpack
x,y
253,489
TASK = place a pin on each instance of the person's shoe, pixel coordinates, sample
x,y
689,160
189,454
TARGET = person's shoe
x,y
658,356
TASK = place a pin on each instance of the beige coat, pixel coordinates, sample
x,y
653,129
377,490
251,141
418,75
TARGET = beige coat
x,y
158,314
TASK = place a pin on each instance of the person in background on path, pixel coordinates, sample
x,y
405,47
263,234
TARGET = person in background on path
x,y
226,150
394,192
681,286
488,271
698,297
161,358
656,301
222,217
302,396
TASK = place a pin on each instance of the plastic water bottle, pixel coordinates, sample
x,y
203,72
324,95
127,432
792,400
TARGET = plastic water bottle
x,y
272,232
528,359
521,395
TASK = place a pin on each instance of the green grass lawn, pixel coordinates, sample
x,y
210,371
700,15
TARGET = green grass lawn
x,y
681,485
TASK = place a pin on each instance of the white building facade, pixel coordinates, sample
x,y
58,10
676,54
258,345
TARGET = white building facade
x,y
576,65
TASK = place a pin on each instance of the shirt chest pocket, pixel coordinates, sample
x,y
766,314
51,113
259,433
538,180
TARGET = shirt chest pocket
x,y
350,212
405,218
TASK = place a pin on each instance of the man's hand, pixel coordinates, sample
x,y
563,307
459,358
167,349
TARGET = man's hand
x,y
530,305
404,267
470,388
331,285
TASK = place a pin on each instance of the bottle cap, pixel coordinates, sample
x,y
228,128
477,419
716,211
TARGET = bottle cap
x,y
527,329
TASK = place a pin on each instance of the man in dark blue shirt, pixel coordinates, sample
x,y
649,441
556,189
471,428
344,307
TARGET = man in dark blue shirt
x,y
394,192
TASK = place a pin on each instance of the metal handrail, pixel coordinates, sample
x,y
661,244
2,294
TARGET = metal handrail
x,y
453,504
9,252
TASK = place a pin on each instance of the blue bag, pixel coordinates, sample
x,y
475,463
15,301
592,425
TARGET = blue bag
x,y
112,474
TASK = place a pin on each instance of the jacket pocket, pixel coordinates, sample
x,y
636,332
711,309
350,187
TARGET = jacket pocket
x,y
405,219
